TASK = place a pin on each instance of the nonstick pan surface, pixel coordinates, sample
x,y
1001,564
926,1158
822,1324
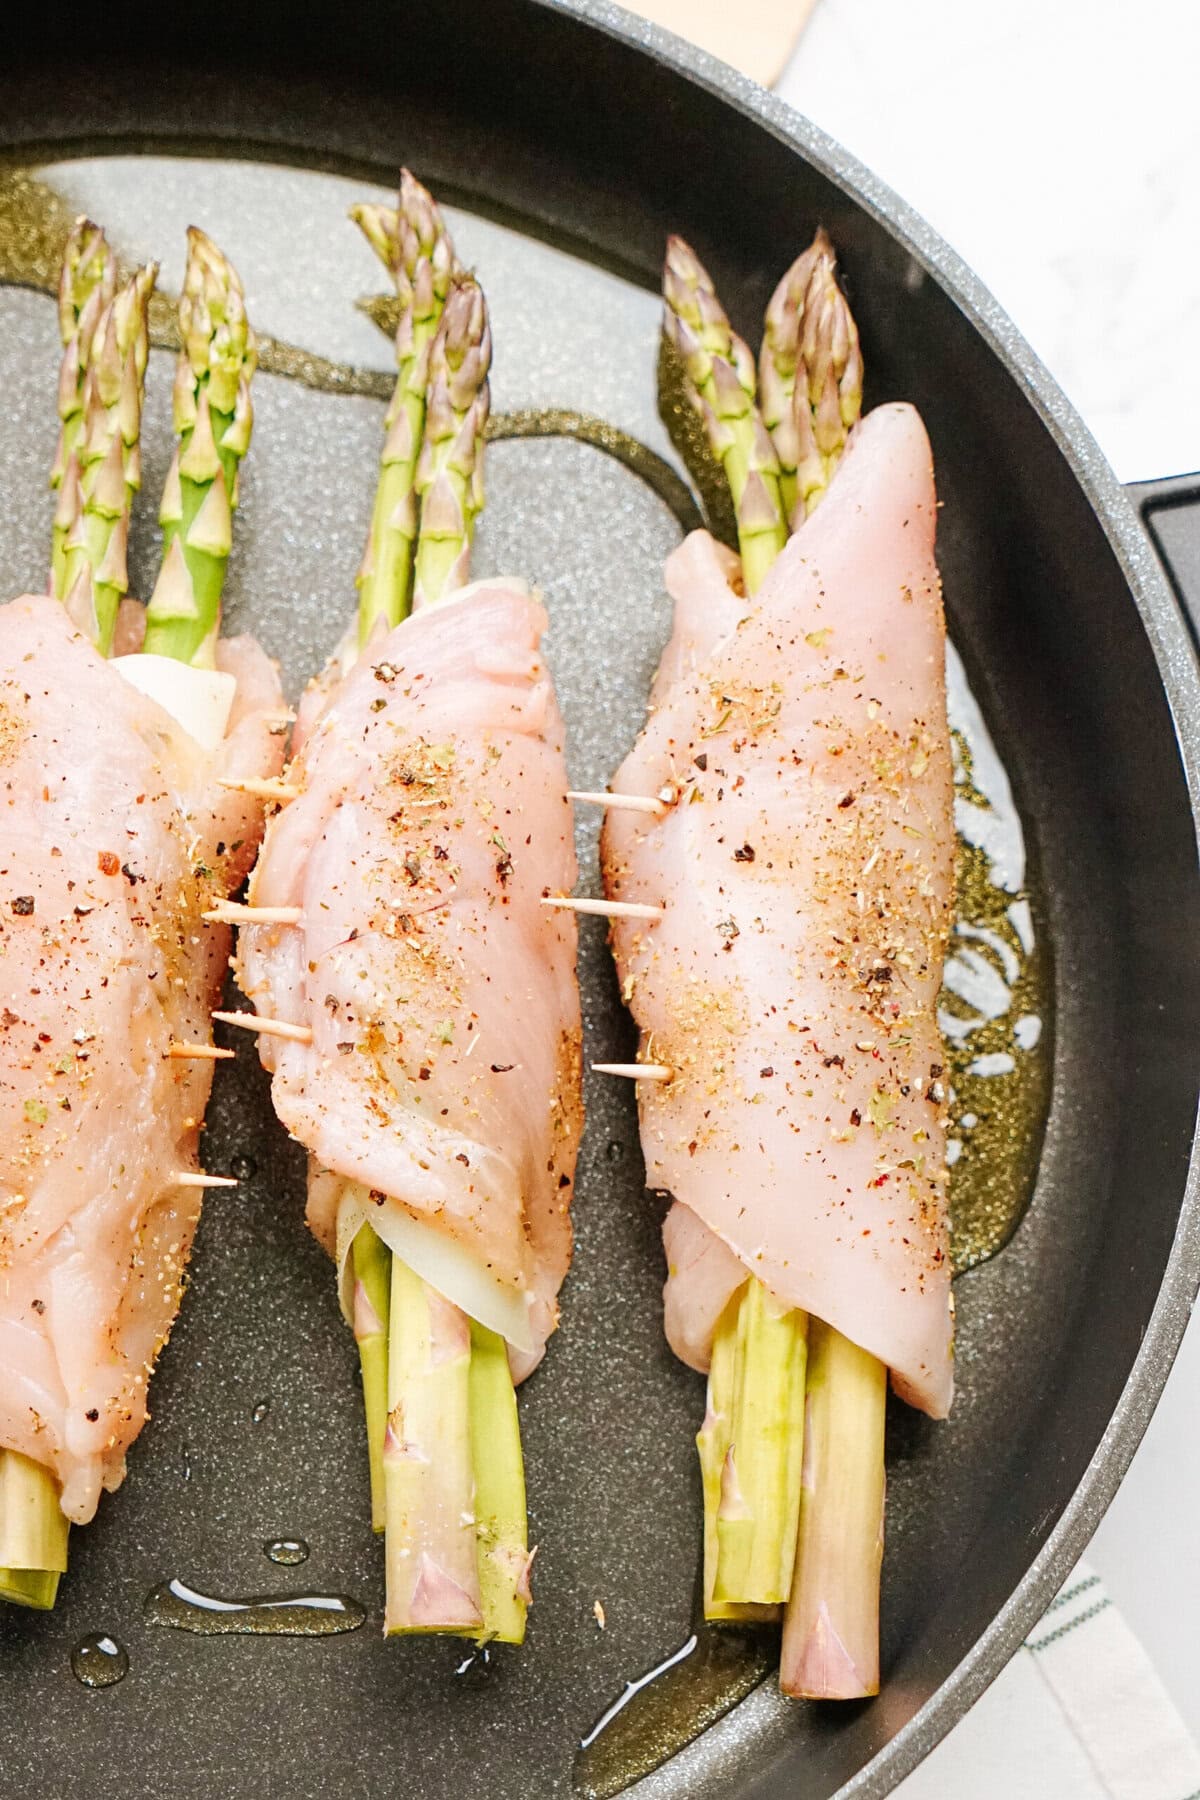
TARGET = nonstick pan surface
x,y
571,140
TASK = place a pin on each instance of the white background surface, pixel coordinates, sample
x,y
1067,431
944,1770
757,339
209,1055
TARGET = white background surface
x,y
1056,145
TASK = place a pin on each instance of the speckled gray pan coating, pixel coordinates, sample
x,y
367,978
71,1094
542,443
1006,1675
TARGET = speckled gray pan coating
x,y
608,1421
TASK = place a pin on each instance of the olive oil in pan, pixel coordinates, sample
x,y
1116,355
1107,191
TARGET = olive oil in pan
x,y
174,1604
98,1661
288,1552
661,1711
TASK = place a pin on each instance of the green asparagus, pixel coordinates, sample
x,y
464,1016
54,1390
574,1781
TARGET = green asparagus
x,y
372,1307
758,1502
213,420
412,242
103,467
720,371
831,1627
449,477
33,1532
429,1481
810,376
86,285
447,1478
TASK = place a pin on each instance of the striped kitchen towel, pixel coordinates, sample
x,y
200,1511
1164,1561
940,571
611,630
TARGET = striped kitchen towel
x,y
1079,1714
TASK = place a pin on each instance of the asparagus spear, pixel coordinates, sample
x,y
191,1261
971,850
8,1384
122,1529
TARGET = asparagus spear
x,y
831,1627
85,287
758,1506
213,420
33,1532
810,376
100,399
432,1565
415,247
447,1479
500,1519
372,1309
449,476
720,373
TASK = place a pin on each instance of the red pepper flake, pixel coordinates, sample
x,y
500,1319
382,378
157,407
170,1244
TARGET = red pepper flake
x,y
108,864
745,854
93,1413
502,1068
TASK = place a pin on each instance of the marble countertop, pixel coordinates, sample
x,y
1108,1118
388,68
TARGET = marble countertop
x,y
1056,145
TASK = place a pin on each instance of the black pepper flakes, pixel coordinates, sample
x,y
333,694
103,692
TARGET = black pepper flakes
x,y
23,905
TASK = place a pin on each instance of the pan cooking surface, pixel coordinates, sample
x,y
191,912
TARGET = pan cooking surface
x,y
256,1436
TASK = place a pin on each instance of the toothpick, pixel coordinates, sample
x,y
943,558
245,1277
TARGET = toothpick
x,y
636,1071
231,912
297,1034
185,1178
200,1052
264,789
613,909
640,803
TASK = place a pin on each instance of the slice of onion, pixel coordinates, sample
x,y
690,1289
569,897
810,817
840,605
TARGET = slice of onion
x,y
200,700
445,1265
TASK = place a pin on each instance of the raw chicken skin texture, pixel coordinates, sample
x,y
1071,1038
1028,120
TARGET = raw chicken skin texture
x,y
444,1071
115,836
807,875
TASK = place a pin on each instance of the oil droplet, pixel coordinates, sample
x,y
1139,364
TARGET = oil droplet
x,y
664,1709
476,1665
287,1551
260,1412
99,1661
243,1167
182,1608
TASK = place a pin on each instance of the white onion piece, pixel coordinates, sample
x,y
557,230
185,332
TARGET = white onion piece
x,y
200,700
445,1265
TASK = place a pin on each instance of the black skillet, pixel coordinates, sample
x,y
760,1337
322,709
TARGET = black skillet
x,y
580,125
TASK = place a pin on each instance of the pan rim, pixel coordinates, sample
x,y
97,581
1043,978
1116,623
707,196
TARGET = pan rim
x,y
1179,672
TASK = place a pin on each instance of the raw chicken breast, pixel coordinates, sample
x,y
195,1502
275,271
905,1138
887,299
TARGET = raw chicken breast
x,y
440,1095
115,836
806,871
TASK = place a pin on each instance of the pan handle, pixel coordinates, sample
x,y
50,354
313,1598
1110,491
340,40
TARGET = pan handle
x,y
1170,511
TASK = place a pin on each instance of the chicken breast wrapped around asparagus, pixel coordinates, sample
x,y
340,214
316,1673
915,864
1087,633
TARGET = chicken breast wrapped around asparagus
x,y
779,857
437,1082
416,1000
133,743
806,874
118,836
